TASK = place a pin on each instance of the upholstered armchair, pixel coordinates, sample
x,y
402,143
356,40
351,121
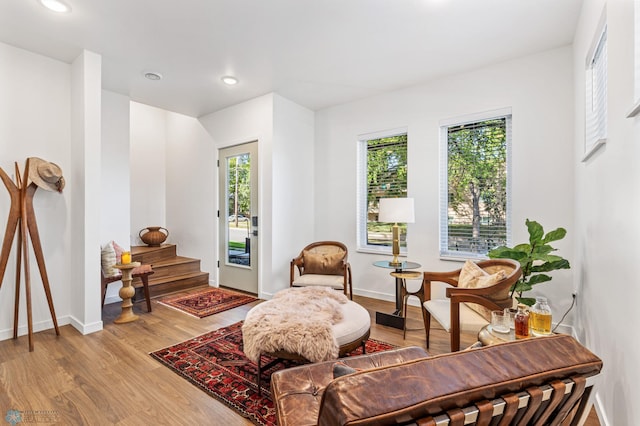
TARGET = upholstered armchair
x,y
323,263
473,291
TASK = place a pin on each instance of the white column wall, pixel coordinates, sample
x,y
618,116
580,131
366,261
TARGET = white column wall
x,y
35,107
539,90
86,81
606,233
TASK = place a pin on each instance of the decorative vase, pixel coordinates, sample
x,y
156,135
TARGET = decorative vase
x,y
154,236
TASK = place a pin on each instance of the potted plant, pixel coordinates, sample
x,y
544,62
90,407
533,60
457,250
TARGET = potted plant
x,y
535,259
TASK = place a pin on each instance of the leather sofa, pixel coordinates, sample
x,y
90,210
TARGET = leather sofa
x,y
540,380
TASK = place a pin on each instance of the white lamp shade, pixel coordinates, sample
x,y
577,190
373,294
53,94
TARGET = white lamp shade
x,y
396,210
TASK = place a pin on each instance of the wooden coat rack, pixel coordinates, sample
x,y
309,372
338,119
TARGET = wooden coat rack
x,y
22,218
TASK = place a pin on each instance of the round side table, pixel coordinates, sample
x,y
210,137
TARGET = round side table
x,y
395,319
403,276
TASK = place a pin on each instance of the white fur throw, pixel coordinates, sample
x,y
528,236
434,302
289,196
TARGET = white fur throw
x,y
297,320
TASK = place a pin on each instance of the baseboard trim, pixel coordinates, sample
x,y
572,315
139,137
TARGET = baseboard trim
x,y
23,330
86,328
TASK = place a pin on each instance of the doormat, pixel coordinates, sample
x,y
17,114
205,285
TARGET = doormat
x,y
207,302
215,362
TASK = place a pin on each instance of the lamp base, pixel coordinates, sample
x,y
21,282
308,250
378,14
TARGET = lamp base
x,y
395,232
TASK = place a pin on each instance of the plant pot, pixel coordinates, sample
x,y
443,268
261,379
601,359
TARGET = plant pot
x,y
154,236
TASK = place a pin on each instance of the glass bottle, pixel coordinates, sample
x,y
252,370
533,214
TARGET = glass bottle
x,y
541,317
521,321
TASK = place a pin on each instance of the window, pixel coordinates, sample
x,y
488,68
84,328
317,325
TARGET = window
x,y
636,59
382,173
474,204
596,93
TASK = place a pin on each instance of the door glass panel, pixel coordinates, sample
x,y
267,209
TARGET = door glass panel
x,y
238,210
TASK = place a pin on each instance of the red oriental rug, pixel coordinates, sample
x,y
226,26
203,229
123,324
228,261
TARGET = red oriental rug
x,y
216,364
207,302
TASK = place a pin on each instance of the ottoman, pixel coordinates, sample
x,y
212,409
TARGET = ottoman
x,y
290,326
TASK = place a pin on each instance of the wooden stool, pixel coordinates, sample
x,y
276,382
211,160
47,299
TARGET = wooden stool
x,y
141,272
404,276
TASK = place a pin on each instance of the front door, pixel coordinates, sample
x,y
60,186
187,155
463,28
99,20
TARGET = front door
x,y
238,217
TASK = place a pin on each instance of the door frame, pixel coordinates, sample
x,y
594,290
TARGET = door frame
x,y
222,216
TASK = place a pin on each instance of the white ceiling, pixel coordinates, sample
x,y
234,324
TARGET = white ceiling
x,y
316,53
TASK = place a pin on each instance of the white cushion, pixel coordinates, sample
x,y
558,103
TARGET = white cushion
x,y
356,321
334,281
108,259
440,310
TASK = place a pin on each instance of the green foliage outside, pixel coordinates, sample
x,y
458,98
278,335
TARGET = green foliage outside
x,y
239,185
235,245
386,178
535,259
477,179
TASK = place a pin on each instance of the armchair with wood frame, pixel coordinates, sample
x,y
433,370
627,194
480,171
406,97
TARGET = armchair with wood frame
x,y
323,263
473,291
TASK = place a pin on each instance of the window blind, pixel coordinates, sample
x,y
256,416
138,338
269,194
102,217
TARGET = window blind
x,y
382,171
474,185
596,93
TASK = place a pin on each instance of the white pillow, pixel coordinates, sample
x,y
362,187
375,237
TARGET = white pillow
x,y
472,276
108,260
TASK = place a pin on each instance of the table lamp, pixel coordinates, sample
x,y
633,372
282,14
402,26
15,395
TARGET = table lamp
x,y
396,210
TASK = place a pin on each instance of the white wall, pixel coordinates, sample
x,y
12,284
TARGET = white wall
x,y
35,111
285,134
292,200
191,184
52,110
247,122
539,90
606,237
148,162
115,206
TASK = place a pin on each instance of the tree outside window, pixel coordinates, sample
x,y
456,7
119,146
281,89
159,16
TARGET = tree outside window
x,y
386,177
476,199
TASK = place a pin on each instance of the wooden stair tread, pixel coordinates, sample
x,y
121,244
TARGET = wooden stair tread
x,y
171,272
165,280
174,261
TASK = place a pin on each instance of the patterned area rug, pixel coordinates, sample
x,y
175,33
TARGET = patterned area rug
x,y
216,363
207,302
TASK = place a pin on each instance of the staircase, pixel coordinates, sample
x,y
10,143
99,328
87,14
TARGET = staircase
x,y
171,272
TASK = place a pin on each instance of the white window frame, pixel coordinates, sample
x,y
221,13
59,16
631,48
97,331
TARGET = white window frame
x,y
595,104
635,110
362,204
445,253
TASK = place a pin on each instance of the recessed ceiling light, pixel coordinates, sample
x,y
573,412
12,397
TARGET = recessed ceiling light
x,y
229,80
152,75
56,6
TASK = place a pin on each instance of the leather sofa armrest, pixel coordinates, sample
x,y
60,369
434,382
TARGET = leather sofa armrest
x,y
297,391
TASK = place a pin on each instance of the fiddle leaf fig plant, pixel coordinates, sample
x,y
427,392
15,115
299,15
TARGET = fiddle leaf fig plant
x,y
535,259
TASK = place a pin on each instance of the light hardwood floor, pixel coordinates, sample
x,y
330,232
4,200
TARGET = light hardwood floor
x,y
108,377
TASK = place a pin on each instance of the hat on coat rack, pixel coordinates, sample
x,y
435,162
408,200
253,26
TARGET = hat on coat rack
x,y
45,174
